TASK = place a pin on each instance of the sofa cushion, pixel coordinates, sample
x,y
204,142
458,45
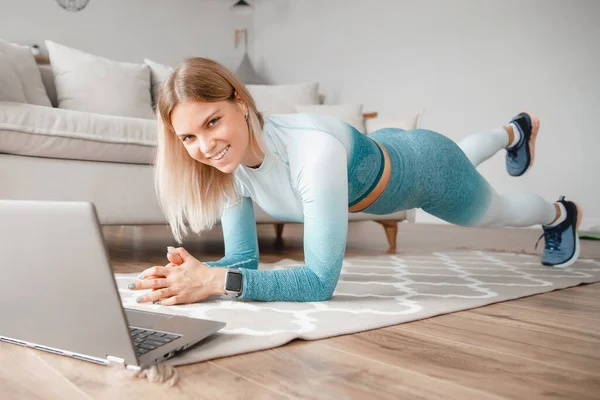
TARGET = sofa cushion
x,y
159,72
11,88
56,133
26,69
350,113
48,80
86,82
283,99
408,121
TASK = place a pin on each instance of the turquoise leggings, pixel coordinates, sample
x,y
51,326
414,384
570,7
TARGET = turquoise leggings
x,y
432,172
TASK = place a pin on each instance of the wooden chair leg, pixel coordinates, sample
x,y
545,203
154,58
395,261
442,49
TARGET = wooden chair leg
x,y
391,232
278,231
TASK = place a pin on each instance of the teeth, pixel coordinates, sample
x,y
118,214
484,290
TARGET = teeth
x,y
221,154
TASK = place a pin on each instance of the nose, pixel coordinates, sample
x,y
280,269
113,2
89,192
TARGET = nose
x,y
206,144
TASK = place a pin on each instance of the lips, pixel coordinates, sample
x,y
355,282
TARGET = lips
x,y
220,154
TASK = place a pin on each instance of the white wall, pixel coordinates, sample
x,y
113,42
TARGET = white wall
x,y
472,64
166,31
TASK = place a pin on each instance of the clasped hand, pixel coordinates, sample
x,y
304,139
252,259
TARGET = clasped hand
x,y
184,280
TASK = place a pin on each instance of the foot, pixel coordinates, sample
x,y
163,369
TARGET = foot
x,y
561,241
520,157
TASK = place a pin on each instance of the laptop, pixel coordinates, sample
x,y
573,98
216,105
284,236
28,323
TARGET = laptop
x,y
60,293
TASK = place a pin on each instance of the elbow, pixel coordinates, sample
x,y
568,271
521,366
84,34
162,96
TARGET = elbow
x,y
324,292
252,263
322,297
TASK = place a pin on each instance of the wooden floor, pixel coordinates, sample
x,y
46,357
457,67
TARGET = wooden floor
x,y
544,346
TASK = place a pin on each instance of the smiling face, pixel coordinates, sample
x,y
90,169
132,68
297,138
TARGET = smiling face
x,y
215,133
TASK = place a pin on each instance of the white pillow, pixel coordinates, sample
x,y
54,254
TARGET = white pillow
x,y
410,121
86,82
159,73
10,84
283,99
350,113
25,67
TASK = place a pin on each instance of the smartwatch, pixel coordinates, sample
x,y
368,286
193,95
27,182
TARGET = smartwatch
x,y
233,282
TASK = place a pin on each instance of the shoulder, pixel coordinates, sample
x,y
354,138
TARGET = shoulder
x,y
304,122
308,131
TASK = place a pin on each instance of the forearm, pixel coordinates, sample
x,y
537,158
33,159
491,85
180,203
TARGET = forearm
x,y
295,284
239,233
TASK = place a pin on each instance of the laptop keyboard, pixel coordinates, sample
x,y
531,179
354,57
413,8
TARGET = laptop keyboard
x,y
146,340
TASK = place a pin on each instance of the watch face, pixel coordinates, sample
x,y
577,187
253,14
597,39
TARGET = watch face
x,y
234,281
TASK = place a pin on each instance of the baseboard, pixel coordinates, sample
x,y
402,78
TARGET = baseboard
x,y
590,224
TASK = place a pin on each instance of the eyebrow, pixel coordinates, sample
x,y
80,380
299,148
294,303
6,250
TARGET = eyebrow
x,y
218,110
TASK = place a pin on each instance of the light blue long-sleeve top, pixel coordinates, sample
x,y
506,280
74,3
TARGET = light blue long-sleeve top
x,y
303,178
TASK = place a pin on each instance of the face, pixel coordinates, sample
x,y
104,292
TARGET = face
x,y
215,133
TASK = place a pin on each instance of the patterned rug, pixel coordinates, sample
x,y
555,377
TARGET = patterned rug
x,y
373,292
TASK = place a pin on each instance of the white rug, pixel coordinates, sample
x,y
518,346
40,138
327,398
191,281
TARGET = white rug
x,y
373,292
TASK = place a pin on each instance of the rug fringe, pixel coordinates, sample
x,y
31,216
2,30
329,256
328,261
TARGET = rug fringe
x,y
157,373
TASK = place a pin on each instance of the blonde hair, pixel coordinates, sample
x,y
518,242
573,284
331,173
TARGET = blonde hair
x,y
188,191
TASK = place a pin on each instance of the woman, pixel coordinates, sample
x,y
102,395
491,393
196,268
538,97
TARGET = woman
x,y
216,154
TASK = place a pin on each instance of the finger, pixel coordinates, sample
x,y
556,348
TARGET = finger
x,y
170,301
155,271
158,283
155,296
174,258
152,277
183,253
156,277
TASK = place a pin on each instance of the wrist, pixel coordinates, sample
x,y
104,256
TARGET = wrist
x,y
218,281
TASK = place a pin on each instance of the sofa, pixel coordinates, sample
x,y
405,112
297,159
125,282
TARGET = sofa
x,y
51,153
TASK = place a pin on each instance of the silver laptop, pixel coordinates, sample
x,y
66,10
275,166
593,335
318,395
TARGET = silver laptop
x,y
60,294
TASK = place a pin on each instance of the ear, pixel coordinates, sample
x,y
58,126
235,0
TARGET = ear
x,y
241,102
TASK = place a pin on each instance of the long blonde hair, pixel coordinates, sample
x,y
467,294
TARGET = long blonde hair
x,y
188,191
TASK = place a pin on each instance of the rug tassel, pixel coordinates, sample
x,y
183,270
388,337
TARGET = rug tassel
x,y
157,373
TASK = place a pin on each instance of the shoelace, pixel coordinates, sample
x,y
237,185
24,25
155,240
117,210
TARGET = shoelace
x,y
512,152
552,239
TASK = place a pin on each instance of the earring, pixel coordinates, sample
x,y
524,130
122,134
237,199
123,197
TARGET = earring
x,y
246,116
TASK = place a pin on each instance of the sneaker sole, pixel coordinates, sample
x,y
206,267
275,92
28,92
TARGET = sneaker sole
x,y
535,127
575,256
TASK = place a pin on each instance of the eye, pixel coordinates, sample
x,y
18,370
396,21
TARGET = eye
x,y
188,137
212,122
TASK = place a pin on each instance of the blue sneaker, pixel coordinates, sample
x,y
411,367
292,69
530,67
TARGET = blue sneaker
x,y
561,241
520,157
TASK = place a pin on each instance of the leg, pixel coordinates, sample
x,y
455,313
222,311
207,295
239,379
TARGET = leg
x,y
278,231
460,195
480,147
138,236
560,222
391,232
518,210
520,134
